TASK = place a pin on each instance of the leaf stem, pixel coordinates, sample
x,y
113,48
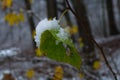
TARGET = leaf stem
x,y
63,13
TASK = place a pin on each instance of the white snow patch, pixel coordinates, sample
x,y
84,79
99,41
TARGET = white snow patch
x,y
9,52
43,26
49,25
62,34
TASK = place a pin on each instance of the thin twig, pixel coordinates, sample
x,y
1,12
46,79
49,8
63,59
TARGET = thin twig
x,y
63,13
92,40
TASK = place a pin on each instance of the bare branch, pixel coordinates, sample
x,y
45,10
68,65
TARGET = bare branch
x,y
92,40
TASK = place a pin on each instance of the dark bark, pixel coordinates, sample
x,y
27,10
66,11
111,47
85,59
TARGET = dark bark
x,y
51,8
30,20
103,18
83,22
118,5
111,18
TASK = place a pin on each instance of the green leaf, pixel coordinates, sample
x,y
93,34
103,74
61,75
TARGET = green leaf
x,y
58,51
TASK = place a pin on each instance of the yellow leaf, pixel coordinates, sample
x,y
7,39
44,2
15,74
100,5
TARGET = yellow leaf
x,y
58,74
21,17
31,1
30,73
96,65
74,29
14,18
33,34
6,4
80,40
10,18
38,52
81,45
81,75
67,29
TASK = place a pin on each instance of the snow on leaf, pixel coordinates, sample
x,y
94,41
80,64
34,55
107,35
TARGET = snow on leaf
x,y
43,26
30,73
54,42
58,73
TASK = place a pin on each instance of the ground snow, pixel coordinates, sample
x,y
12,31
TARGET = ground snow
x,y
9,52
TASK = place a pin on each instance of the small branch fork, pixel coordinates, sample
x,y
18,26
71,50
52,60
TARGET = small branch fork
x,y
92,40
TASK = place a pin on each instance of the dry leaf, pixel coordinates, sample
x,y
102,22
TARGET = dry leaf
x,y
6,4
8,76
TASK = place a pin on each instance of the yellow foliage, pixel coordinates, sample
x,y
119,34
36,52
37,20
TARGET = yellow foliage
x,y
10,18
14,18
58,74
21,17
38,52
30,73
81,45
6,4
31,1
33,34
96,65
74,29
80,40
81,75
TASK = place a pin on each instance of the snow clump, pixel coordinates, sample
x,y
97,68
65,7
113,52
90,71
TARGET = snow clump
x,y
49,25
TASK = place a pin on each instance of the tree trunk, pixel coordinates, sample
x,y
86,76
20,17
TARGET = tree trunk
x,y
104,19
30,20
51,9
118,1
111,18
83,22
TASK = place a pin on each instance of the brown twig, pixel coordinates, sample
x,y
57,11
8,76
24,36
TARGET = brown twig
x,y
92,40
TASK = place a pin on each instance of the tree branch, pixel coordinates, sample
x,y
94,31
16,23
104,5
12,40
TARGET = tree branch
x,y
92,40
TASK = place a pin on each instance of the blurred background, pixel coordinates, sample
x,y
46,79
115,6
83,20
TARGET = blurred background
x,y
100,18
